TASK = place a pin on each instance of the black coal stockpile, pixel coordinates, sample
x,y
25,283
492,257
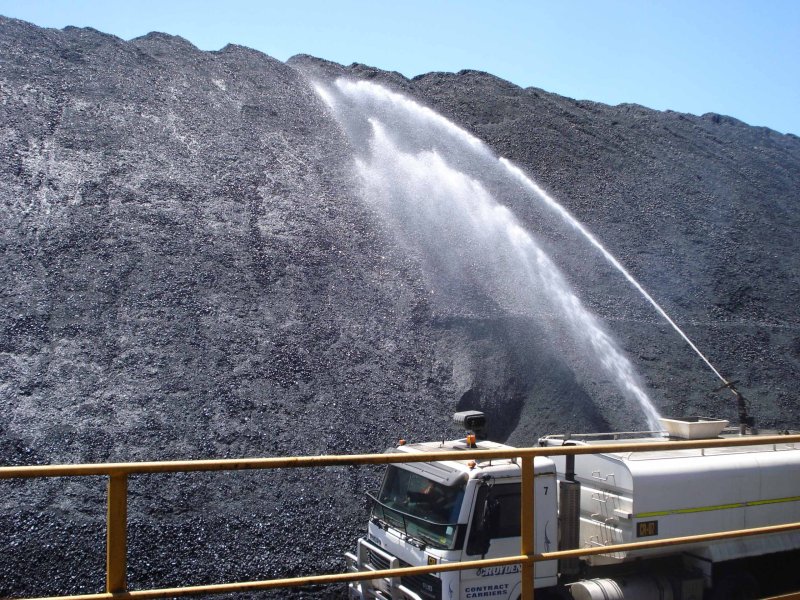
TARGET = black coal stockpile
x,y
190,270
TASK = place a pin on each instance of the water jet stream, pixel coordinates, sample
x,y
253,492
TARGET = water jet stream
x,y
567,216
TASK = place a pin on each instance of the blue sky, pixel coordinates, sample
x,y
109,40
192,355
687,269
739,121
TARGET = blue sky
x,y
739,58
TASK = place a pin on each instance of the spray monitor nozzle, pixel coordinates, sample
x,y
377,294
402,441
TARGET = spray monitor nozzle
x,y
728,385
745,421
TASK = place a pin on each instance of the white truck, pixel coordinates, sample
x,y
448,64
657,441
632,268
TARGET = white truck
x,y
451,511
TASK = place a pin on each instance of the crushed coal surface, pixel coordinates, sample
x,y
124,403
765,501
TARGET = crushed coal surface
x,y
189,270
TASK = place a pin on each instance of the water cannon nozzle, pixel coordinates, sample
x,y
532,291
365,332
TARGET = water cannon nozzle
x,y
729,385
746,421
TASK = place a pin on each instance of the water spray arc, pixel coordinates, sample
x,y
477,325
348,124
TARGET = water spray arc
x,y
425,174
745,420
567,216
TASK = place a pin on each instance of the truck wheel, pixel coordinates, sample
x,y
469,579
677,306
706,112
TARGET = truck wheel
x,y
736,586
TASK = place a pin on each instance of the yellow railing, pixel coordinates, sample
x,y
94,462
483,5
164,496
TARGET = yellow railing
x,y
118,473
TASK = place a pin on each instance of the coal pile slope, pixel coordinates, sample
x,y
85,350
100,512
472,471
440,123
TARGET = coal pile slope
x,y
189,271
702,210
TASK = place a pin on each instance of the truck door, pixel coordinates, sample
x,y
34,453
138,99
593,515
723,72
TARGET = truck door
x,y
493,532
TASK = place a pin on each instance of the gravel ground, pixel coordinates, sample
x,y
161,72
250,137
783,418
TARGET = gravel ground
x,y
189,271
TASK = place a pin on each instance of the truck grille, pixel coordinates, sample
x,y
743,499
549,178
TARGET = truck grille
x,y
427,586
378,561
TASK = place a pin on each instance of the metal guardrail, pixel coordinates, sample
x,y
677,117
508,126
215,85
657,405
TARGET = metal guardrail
x,y
118,473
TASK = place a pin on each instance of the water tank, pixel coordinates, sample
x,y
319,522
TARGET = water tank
x,y
639,587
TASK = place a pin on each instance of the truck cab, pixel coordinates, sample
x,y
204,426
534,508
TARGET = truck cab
x,y
453,511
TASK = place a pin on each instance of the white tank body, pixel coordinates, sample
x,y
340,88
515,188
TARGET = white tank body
x,y
630,497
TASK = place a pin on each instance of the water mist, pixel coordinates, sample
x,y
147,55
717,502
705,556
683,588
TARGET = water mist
x,y
431,180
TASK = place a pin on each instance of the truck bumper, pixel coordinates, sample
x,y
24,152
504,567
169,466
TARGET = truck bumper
x,y
386,588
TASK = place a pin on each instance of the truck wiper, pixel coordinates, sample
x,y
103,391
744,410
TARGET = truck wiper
x,y
400,521
385,524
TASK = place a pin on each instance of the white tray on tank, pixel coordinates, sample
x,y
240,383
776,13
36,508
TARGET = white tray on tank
x,y
693,428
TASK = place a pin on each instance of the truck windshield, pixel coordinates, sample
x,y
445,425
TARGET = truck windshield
x,y
420,507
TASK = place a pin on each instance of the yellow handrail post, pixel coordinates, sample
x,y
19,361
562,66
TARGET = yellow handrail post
x,y
526,523
117,534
